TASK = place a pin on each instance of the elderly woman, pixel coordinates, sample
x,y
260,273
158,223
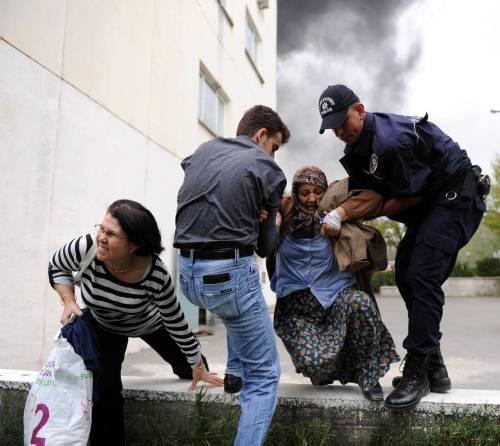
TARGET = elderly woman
x,y
331,330
128,293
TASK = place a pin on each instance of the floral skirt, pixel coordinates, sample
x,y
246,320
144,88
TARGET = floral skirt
x,y
347,342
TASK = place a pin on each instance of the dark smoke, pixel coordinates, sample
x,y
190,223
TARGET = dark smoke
x,y
327,42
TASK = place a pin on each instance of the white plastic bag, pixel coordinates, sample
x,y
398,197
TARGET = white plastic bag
x,y
58,410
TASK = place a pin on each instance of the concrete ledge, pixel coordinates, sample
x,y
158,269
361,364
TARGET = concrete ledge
x,y
345,398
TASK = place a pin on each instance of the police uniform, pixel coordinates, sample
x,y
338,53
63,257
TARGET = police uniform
x,y
401,157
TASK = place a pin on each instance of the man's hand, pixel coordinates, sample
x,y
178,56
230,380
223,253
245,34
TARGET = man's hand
x,y
264,214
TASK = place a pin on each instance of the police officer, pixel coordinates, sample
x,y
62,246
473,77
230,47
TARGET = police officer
x,y
428,183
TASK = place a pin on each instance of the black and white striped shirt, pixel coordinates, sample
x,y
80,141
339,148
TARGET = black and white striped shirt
x,y
129,309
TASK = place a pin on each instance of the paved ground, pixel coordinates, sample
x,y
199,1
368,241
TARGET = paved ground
x,y
471,334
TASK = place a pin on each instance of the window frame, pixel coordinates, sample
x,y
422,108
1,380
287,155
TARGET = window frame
x,y
206,82
250,26
257,41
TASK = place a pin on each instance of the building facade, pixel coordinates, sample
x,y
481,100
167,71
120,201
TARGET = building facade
x,y
100,100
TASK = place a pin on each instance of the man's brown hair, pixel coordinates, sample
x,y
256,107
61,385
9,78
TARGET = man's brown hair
x,y
262,117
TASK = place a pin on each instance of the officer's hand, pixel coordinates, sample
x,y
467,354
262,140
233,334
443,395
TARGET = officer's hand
x,y
264,214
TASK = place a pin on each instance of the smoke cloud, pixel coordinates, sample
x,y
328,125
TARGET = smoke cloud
x,y
358,43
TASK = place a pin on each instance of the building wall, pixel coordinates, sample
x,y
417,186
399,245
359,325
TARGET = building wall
x,y
99,101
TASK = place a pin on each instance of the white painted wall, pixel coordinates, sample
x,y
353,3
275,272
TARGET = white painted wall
x,y
28,132
99,101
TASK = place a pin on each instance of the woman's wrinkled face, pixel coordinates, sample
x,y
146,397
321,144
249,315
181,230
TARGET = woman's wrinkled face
x,y
309,196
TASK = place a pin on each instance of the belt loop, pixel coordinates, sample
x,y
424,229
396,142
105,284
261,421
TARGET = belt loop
x,y
236,256
191,256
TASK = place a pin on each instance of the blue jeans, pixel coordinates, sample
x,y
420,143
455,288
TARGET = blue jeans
x,y
231,290
233,363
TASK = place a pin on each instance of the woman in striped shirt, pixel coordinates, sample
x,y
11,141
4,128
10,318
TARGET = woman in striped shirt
x,y
129,293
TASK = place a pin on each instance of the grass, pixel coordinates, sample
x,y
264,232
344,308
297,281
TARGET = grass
x,y
210,424
11,419
317,432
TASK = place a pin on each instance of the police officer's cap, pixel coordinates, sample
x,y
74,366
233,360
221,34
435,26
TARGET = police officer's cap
x,y
333,105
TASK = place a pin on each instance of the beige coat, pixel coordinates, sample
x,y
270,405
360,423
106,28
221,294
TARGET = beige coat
x,y
359,247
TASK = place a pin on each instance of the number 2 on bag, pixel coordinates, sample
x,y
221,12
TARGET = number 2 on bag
x,y
39,441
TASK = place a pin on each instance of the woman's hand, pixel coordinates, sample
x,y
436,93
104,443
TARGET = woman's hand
x,y
200,373
332,222
70,308
67,295
329,231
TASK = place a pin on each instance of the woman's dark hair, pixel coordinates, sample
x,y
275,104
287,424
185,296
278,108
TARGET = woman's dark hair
x,y
262,117
139,225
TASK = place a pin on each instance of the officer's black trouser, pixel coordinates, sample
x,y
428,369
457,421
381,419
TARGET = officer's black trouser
x,y
107,412
425,259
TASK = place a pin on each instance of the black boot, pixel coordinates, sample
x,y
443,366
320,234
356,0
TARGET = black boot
x,y
438,375
413,386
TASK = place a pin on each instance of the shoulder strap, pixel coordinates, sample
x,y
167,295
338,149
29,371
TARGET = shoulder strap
x,y
87,260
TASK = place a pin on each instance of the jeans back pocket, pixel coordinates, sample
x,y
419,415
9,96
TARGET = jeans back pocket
x,y
220,298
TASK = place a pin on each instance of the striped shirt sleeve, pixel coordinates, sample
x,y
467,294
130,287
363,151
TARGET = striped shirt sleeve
x,y
175,322
68,259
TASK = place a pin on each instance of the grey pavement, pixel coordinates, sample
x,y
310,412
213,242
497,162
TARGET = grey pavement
x,y
471,334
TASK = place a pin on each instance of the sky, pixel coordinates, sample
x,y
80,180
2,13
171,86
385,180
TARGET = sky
x,y
399,56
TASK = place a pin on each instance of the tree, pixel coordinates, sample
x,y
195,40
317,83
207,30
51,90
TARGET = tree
x,y
492,217
392,231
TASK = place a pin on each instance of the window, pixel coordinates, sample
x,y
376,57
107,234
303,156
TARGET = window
x,y
251,40
223,8
252,43
210,105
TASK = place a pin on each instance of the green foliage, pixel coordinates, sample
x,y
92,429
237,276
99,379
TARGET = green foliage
x,y
488,267
392,231
463,270
382,278
492,217
315,432
485,243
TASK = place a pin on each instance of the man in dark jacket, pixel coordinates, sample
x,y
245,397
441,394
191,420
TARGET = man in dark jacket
x,y
428,183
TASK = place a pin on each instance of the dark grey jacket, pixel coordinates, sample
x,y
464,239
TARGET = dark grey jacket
x,y
227,182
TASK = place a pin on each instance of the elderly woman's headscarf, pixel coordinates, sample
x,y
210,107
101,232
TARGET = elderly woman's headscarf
x,y
303,220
